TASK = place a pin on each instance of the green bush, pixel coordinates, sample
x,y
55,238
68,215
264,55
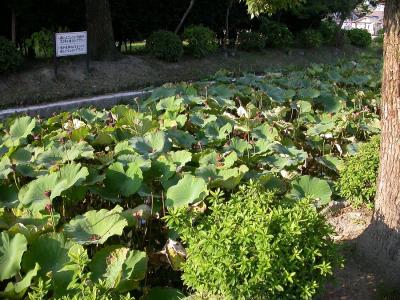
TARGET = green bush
x,y
256,247
10,58
42,42
359,37
165,45
357,181
328,31
378,41
201,40
310,38
251,41
276,35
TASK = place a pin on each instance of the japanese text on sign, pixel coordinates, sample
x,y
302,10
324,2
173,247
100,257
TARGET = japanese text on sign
x,y
71,43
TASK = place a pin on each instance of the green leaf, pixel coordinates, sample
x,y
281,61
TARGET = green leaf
x,y
5,167
331,104
240,146
307,186
122,182
51,253
95,227
11,251
189,190
308,93
40,192
166,293
119,267
265,131
152,144
230,178
181,138
331,162
35,194
8,196
17,290
22,127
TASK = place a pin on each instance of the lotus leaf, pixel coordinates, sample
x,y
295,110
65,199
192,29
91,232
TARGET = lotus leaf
x,y
188,190
315,188
95,227
11,251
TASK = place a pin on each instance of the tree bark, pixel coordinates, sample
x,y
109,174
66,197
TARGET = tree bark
x,y
226,38
185,16
100,30
13,26
380,243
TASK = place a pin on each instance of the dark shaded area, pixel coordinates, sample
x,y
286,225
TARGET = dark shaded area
x,y
135,20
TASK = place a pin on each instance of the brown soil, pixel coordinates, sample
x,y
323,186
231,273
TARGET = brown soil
x,y
37,82
356,281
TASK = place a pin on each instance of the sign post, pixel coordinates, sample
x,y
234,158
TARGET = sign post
x,y
70,44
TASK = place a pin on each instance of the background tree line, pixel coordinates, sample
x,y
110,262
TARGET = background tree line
x,y
136,20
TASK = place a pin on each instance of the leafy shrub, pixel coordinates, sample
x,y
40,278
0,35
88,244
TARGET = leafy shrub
x,y
357,181
165,45
310,38
276,34
42,42
10,58
256,247
328,31
201,40
359,37
378,41
251,41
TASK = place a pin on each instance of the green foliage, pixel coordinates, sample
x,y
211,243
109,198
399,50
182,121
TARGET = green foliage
x,y
328,31
310,38
83,193
357,181
378,41
255,246
201,40
257,7
251,41
359,37
10,57
312,188
11,251
42,42
276,35
165,45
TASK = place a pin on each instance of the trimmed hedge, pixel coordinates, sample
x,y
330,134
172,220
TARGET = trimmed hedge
x,y
165,45
359,37
201,40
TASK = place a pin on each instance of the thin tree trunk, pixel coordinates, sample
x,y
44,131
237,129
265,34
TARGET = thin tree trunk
x,y
100,30
381,241
185,16
13,27
226,38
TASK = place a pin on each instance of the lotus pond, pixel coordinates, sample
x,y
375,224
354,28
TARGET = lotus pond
x,y
83,194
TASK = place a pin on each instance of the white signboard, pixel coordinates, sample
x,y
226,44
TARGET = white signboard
x,y
71,43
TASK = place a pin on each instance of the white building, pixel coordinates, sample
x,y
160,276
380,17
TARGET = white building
x,y
372,22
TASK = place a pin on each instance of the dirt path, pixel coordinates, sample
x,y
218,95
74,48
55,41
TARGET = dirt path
x,y
355,281
37,83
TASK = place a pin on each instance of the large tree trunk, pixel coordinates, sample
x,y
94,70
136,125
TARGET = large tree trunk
x,y
13,27
226,37
100,31
380,243
185,16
